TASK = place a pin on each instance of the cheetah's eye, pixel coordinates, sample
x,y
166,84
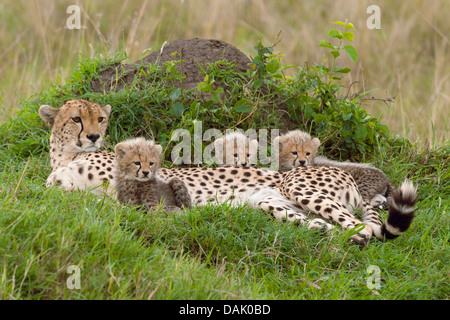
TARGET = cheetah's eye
x,y
137,163
235,155
76,119
248,155
100,119
308,154
151,163
294,153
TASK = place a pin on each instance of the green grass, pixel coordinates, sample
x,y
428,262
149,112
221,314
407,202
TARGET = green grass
x,y
214,252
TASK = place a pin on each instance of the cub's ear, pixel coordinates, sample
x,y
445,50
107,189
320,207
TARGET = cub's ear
x,y
316,143
107,109
278,141
218,150
48,114
253,145
121,149
218,143
158,149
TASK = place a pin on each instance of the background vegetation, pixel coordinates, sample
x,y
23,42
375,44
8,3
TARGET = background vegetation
x,y
220,252
406,59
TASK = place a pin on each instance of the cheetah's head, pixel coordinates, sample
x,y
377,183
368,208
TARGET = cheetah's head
x,y
137,159
78,126
296,148
236,150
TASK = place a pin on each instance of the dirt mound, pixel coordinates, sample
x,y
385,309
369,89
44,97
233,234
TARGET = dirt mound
x,y
194,52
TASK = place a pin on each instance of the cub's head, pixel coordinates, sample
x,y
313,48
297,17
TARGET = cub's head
x,y
78,126
137,159
296,148
236,150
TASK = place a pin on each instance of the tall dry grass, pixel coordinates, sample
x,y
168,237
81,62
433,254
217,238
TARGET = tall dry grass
x,y
408,58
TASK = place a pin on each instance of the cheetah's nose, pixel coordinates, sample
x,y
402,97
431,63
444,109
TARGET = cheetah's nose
x,y
302,162
93,137
243,164
145,173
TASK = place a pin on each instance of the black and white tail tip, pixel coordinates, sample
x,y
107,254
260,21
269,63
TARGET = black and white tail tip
x,y
401,210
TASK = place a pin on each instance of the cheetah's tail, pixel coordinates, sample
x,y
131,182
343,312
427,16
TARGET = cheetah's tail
x,y
401,210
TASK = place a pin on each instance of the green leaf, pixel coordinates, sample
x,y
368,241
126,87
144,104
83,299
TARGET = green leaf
x,y
273,66
383,128
257,83
326,44
334,34
361,133
335,53
342,70
351,52
204,87
177,109
320,117
339,23
243,106
350,26
349,36
347,116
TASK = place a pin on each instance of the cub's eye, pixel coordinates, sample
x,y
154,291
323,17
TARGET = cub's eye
x,y
137,163
100,119
235,155
294,153
76,119
151,163
308,154
248,155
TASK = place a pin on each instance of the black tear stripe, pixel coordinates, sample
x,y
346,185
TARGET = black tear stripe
x,y
79,144
137,172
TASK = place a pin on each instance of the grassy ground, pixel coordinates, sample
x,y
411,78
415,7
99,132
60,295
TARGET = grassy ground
x,y
212,252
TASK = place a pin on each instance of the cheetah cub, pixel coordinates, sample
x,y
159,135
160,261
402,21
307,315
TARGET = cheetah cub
x,y
138,181
236,150
297,148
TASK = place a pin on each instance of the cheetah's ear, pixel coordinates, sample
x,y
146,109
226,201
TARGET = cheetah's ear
x,y
158,149
121,149
48,114
107,109
278,141
218,146
316,143
218,150
254,145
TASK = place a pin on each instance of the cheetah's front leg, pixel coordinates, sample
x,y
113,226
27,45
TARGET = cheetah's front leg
x,y
180,192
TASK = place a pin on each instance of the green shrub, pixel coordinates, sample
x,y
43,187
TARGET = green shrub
x,y
264,97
